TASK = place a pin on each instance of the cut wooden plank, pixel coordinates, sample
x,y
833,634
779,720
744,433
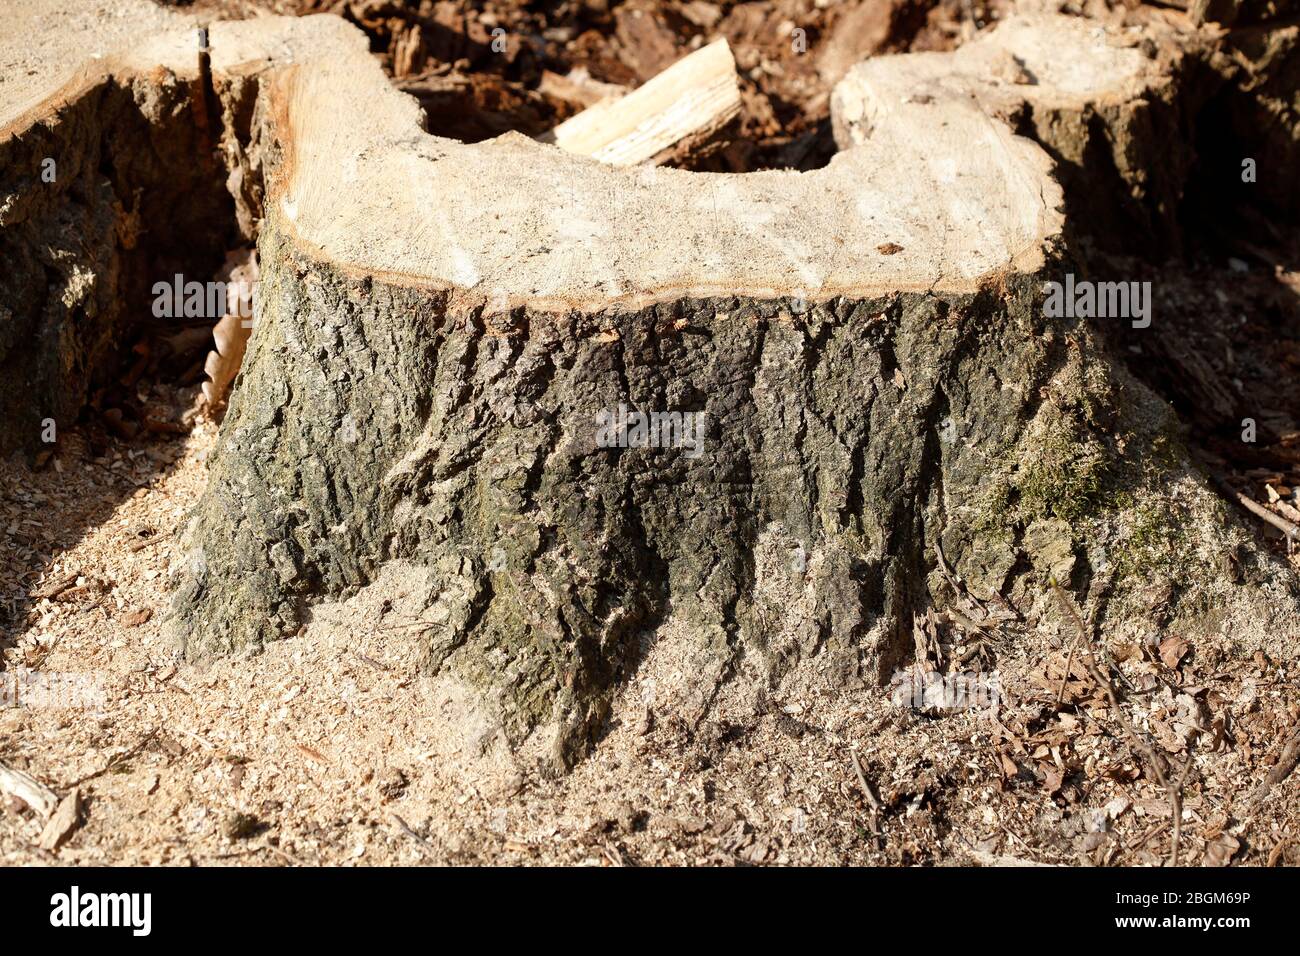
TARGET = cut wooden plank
x,y
681,108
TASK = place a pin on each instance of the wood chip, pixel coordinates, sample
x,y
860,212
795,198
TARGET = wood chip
x,y
312,754
55,588
681,108
578,88
66,819
29,790
230,335
993,860
137,617
1220,850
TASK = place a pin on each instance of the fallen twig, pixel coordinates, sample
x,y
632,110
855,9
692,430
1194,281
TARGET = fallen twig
x,y
862,782
406,828
1176,806
1281,770
293,860
371,661
1159,765
1069,662
1142,837
154,538
54,589
1291,531
115,761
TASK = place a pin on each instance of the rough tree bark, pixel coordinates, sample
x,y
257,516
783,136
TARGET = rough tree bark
x,y
440,326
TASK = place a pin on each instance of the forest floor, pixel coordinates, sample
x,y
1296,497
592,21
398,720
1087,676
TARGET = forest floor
x,y
336,747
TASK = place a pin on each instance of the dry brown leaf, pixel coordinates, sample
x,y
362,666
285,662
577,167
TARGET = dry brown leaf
x,y
1009,767
1053,778
1220,850
1172,650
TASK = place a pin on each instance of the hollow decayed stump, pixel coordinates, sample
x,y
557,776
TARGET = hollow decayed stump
x,y
108,182
848,373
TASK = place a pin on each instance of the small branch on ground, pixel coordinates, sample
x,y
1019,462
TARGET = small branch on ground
x,y
115,761
1291,531
1281,770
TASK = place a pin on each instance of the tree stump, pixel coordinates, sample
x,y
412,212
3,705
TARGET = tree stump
x,y
772,416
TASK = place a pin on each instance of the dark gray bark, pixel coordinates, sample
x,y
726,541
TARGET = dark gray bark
x,y
374,423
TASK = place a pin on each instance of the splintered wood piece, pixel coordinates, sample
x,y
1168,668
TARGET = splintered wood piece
x,y
578,88
29,790
63,823
677,111
230,335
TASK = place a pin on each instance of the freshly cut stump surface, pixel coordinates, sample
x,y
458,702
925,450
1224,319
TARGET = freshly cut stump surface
x,y
445,332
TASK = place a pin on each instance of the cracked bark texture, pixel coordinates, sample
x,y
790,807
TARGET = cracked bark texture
x,y
377,423
373,423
